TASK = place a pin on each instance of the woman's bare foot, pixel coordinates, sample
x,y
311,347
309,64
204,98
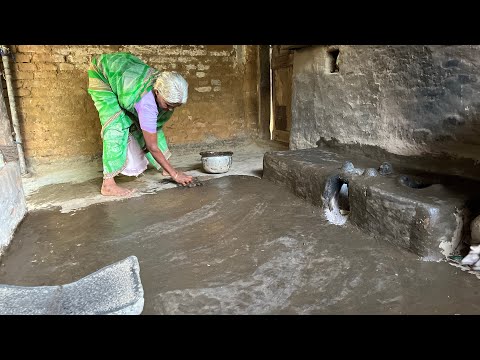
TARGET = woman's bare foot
x,y
110,188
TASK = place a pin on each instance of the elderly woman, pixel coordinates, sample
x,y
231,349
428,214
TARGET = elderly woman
x,y
134,101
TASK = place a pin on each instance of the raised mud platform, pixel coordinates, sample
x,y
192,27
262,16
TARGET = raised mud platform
x,y
426,213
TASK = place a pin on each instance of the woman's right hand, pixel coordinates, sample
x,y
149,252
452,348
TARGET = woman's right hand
x,y
182,179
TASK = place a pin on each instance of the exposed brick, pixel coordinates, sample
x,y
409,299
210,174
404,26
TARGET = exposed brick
x,y
23,58
22,75
78,59
203,89
18,83
48,58
82,67
38,83
184,59
33,48
22,92
45,75
87,51
61,49
46,67
66,67
26,67
160,60
203,67
218,53
216,48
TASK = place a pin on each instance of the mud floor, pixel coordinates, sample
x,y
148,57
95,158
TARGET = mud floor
x,y
236,245
72,185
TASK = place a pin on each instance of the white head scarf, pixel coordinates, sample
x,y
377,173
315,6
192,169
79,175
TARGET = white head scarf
x,y
172,87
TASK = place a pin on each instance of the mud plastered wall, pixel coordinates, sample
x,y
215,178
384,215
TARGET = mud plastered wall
x,y
5,127
408,100
58,118
12,199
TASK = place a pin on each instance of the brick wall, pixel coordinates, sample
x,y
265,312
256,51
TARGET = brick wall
x,y
59,120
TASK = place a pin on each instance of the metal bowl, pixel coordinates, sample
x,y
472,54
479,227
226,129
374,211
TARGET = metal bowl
x,y
216,162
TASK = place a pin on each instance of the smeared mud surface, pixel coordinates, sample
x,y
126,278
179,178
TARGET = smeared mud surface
x,y
236,245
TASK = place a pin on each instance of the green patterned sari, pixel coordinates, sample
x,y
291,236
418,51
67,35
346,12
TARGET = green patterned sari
x,y
116,83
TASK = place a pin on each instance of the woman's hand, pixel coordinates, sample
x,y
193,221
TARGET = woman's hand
x,y
182,179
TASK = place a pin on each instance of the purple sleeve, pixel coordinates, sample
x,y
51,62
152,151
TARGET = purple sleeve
x,y
147,111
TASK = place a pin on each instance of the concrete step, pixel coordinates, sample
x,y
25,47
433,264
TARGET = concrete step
x,y
113,290
425,213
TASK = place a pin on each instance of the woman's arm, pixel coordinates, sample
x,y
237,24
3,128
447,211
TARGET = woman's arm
x,y
152,146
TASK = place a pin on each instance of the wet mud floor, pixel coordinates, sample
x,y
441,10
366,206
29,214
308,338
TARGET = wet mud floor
x,y
236,245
